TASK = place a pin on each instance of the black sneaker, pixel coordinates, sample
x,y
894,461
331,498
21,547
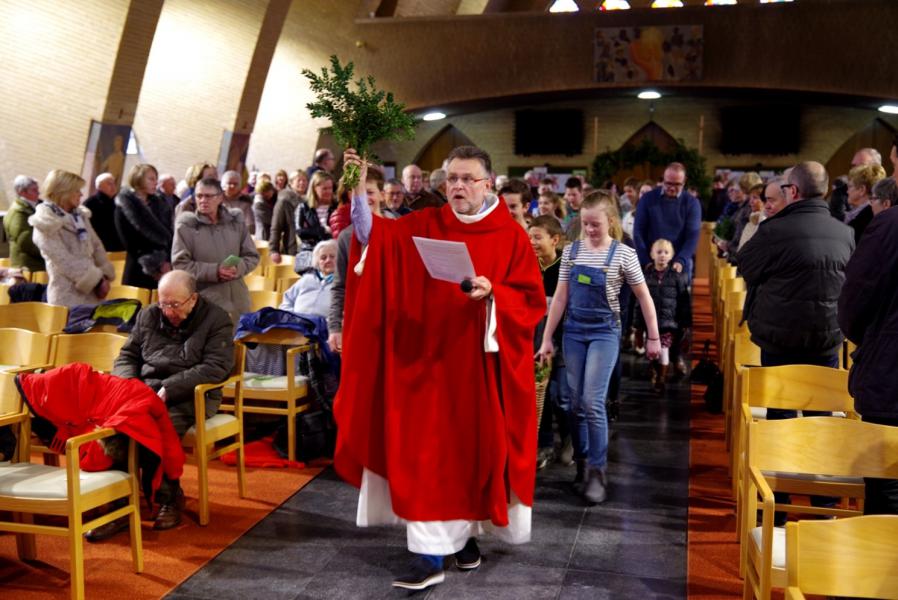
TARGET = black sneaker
x,y
420,575
468,558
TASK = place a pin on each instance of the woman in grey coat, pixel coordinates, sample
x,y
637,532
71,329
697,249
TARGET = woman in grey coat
x,y
205,240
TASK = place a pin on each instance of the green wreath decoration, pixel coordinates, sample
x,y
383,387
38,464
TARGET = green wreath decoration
x,y
607,164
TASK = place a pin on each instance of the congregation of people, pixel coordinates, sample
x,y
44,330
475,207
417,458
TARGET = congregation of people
x,y
617,273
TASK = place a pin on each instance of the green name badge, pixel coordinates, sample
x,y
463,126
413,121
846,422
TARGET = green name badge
x,y
584,279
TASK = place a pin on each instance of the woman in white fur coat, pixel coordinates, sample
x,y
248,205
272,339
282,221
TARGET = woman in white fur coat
x,y
77,266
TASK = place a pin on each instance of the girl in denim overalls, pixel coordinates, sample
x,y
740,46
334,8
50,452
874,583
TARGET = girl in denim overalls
x,y
589,293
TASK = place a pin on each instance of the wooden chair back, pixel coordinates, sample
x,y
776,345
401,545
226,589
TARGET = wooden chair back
x,y
856,557
99,350
113,256
798,387
130,292
34,316
23,348
259,299
259,283
119,266
282,270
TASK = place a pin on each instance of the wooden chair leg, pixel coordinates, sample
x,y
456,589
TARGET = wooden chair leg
x,y
26,544
202,468
291,429
241,468
76,553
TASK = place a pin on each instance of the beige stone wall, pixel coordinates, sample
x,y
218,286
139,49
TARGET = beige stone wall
x,y
194,80
285,135
824,129
57,61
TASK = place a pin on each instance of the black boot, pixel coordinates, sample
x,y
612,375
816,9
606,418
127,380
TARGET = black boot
x,y
595,492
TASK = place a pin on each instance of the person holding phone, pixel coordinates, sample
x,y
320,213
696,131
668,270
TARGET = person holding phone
x,y
214,245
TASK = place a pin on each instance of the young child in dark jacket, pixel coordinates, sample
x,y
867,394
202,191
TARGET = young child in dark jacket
x,y
670,293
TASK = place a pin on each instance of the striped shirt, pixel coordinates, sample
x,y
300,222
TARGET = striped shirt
x,y
624,267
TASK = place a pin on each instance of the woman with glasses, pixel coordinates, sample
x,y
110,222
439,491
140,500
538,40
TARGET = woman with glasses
x,y
214,245
885,195
144,224
78,269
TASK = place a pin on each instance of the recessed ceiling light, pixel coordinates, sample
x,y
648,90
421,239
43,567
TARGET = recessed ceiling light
x,y
434,116
564,6
891,109
648,95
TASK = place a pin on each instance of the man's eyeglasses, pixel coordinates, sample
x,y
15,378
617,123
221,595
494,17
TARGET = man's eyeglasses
x,y
465,180
673,184
786,186
207,196
176,304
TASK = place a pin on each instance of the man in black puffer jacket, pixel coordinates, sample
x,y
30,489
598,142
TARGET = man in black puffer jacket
x,y
793,268
868,314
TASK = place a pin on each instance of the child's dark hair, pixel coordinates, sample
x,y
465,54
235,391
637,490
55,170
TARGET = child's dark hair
x,y
549,223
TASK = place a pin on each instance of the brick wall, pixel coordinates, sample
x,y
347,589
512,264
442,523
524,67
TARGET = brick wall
x,y
57,60
194,80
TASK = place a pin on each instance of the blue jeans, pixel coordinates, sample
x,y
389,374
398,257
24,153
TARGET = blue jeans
x,y
590,357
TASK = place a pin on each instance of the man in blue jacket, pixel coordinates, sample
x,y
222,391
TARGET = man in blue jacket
x,y
672,213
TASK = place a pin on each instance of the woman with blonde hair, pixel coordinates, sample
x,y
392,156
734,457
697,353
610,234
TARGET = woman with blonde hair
x,y
77,266
320,196
593,270
145,224
861,180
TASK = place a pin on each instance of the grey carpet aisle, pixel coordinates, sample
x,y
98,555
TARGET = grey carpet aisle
x,y
633,546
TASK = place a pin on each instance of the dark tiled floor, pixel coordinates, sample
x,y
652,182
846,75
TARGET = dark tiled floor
x,y
633,546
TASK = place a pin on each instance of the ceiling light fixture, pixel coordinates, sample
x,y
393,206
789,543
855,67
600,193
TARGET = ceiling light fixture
x,y
891,109
560,6
648,95
434,116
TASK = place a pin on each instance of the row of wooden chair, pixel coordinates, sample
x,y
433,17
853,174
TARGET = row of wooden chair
x,y
800,456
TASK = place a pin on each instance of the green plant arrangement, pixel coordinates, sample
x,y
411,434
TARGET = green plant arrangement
x,y
359,117
542,370
607,164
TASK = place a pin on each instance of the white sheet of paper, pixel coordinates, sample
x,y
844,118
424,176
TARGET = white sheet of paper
x,y
444,260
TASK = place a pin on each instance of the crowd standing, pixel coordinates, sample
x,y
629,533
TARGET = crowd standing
x,y
595,268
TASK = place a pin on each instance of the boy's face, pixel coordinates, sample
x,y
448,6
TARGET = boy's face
x,y
661,255
515,206
375,196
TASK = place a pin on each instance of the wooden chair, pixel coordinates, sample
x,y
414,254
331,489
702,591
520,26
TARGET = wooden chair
x,y
258,283
67,493
38,277
285,283
99,350
115,256
826,455
119,266
4,293
790,387
262,298
130,292
843,558
742,353
285,269
34,316
848,350
276,395
215,436
23,348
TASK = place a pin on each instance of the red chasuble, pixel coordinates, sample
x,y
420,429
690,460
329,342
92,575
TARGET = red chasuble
x,y
451,427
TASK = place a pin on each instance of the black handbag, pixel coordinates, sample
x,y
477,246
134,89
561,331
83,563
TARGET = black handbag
x,y
316,436
705,369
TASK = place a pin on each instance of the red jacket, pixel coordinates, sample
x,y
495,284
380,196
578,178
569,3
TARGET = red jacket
x,y
77,400
451,427
340,219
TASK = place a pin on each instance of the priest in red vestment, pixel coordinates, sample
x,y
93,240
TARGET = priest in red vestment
x,y
436,410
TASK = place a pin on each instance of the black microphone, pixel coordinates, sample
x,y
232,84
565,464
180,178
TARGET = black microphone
x,y
467,286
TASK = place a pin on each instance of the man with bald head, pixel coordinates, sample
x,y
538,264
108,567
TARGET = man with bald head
x,y
416,197
177,344
102,212
794,267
